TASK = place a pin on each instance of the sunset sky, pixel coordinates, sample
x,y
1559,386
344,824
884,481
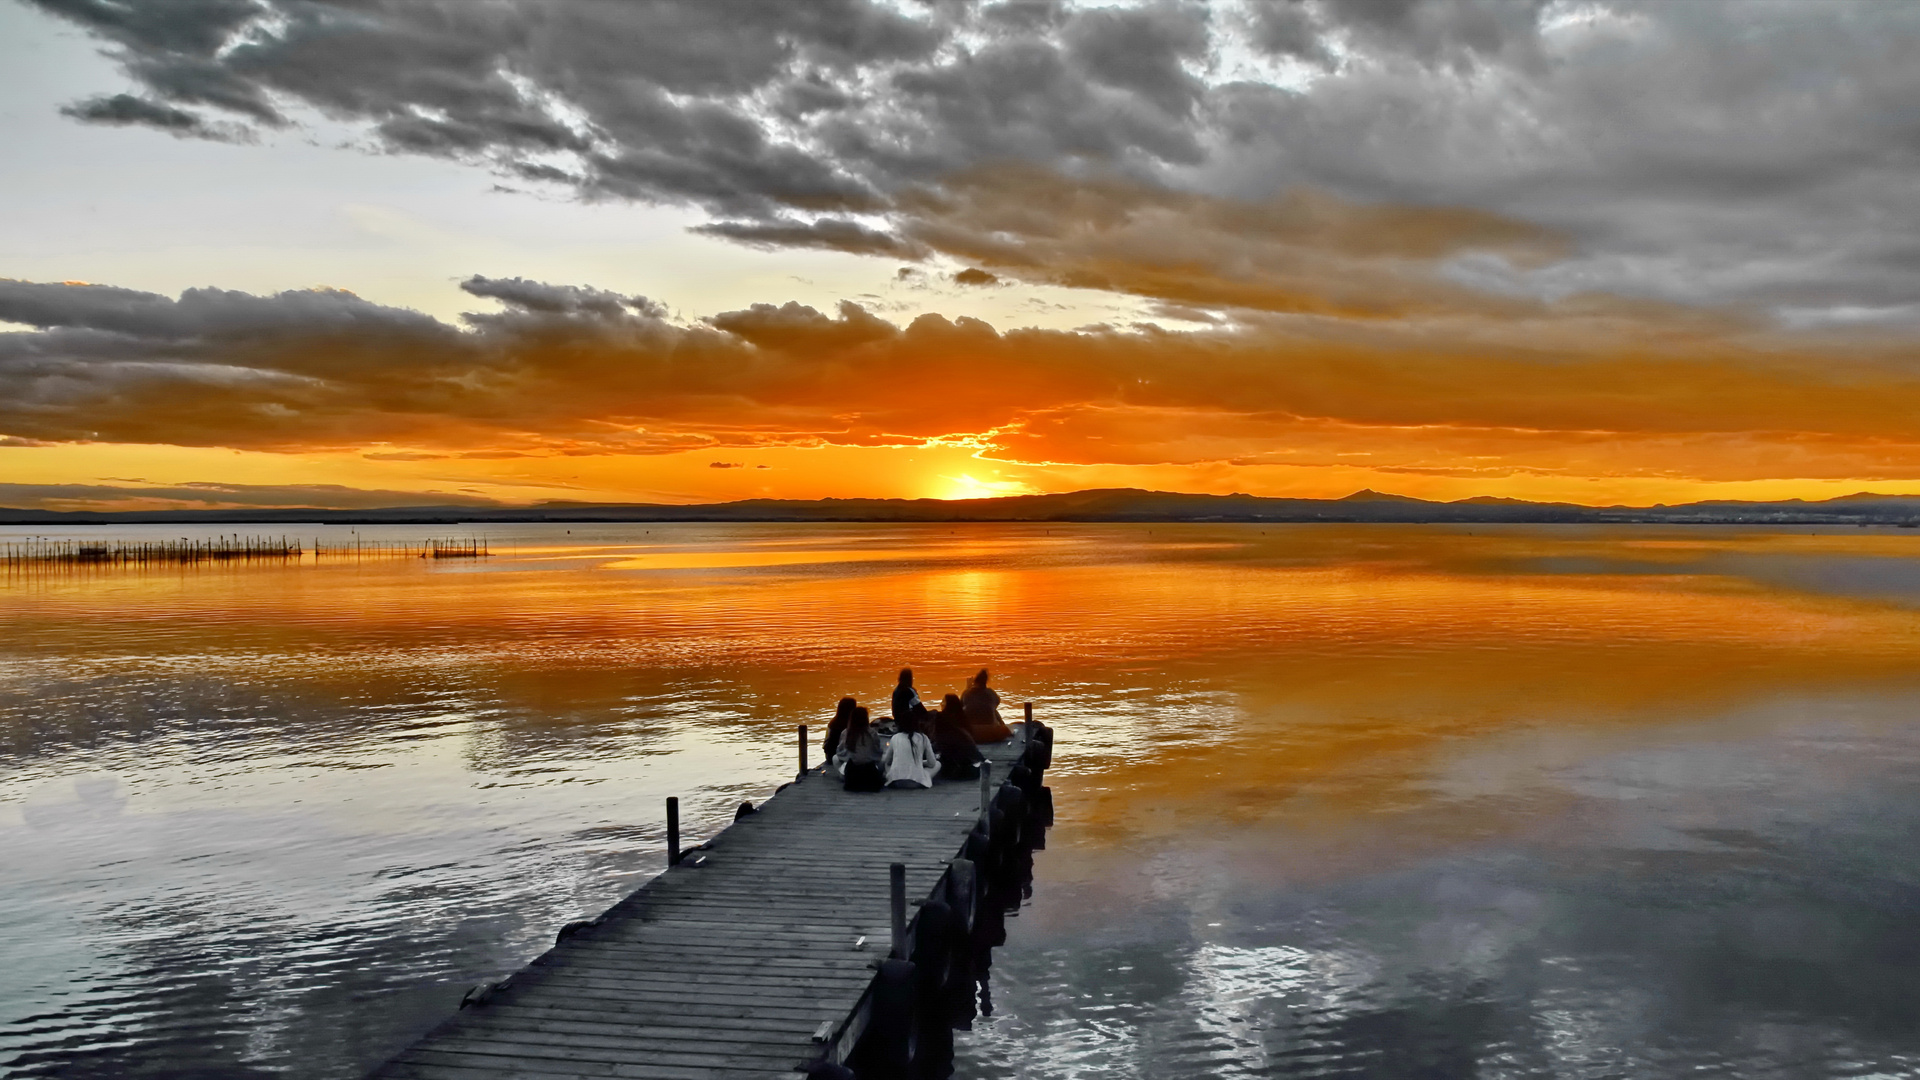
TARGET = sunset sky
x,y
290,252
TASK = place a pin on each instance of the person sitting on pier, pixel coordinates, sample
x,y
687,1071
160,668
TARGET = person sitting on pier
x,y
860,753
906,700
959,757
983,711
910,761
837,727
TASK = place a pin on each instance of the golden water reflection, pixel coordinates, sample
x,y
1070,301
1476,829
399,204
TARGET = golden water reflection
x,y
485,744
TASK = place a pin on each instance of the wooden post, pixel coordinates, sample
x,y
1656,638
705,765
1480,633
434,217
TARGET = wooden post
x,y
1029,712
986,797
803,749
897,893
673,831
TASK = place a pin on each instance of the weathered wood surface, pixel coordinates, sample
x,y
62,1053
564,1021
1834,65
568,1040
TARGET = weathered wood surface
x,y
727,969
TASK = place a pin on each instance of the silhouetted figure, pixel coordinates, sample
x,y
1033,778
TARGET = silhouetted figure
x,y
983,711
910,761
906,700
959,757
837,727
859,756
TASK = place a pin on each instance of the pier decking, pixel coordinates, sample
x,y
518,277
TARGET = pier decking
x,y
755,955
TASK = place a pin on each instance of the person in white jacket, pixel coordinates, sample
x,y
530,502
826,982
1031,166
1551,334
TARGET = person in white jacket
x,y
910,761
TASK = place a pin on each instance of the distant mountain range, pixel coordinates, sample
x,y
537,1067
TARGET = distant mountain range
x,y
1111,504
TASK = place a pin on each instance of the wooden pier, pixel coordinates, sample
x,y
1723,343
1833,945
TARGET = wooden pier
x,y
781,946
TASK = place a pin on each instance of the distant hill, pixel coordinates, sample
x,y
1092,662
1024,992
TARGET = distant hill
x,y
1108,504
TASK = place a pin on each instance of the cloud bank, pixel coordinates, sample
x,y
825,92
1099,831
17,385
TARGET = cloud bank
x,y
570,370
1753,156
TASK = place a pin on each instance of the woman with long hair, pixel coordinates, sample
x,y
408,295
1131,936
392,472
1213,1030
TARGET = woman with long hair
x,y
906,700
837,727
859,755
910,761
959,757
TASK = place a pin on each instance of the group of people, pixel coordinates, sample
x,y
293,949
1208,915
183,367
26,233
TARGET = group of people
x,y
914,745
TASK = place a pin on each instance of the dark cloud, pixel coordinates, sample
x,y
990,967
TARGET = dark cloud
x,y
796,327
1458,33
1144,51
1756,157
726,465
535,296
125,109
973,275
831,233
1287,28
1301,252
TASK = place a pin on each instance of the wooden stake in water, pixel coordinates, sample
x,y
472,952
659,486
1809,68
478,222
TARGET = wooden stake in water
x,y
897,895
673,831
986,795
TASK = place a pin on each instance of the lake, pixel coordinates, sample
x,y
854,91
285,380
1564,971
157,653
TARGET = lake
x,y
1331,800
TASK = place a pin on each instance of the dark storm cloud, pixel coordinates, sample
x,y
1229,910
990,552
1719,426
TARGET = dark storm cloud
x,y
1760,157
1704,152
537,296
831,234
124,109
1458,33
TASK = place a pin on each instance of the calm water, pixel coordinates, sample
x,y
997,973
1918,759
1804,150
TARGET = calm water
x,y
1356,801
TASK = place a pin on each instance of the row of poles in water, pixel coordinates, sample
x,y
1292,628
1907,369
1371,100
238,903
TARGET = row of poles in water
x,y
234,548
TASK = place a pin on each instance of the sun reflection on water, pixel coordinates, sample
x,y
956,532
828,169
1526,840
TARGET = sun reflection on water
x,y
298,805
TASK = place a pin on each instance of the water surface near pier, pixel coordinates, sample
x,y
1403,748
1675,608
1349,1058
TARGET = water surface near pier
x,y
1333,800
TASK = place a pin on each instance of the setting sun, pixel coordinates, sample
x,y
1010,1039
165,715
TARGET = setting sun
x,y
966,486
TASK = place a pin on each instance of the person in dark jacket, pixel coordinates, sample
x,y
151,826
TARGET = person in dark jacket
x,y
906,700
959,757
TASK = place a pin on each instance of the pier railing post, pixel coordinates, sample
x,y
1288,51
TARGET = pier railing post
x,y
1029,712
897,895
986,794
673,831
803,750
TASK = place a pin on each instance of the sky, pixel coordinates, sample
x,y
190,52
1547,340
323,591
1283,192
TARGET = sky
x,y
403,252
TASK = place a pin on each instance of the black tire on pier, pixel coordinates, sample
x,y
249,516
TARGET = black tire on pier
x,y
886,1050
934,939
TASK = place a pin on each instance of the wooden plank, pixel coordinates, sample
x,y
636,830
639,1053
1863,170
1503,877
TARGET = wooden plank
x,y
693,976
690,980
472,1066
587,1021
661,1001
615,1051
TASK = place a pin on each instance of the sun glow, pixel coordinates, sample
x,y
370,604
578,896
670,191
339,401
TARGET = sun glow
x,y
966,486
